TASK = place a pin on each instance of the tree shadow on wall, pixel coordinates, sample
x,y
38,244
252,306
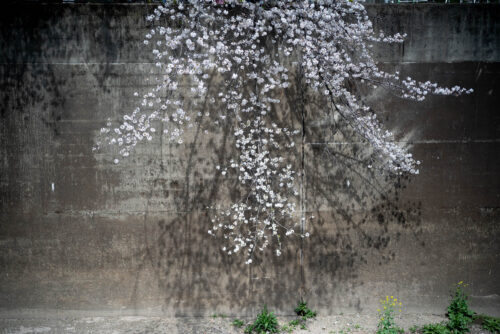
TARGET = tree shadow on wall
x,y
359,215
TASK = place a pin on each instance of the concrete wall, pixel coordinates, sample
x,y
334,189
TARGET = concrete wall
x,y
131,238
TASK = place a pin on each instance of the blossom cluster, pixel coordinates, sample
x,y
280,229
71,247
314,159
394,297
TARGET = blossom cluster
x,y
246,44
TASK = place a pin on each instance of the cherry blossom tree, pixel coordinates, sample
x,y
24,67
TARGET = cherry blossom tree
x,y
256,44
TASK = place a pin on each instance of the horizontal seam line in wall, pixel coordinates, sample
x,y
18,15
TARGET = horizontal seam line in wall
x,y
81,63
95,213
98,214
442,62
153,63
104,214
114,4
430,141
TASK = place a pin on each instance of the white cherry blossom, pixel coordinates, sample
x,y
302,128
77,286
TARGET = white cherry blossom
x,y
248,45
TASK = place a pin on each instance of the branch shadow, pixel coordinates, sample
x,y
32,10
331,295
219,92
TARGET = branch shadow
x,y
359,217
360,211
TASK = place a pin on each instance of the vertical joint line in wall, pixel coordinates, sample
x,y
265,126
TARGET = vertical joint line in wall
x,y
162,133
302,191
162,166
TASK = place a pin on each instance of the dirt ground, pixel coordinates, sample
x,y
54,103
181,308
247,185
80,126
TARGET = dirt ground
x,y
339,324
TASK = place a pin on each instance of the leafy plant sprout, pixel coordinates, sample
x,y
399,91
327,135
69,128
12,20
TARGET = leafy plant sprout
x,y
251,47
302,310
266,322
386,324
489,323
459,313
460,316
238,323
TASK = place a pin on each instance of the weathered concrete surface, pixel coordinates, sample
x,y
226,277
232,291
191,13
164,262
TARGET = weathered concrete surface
x,y
131,238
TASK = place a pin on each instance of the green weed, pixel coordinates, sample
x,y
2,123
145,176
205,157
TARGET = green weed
x,y
238,323
441,328
459,313
489,323
266,322
303,311
386,323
